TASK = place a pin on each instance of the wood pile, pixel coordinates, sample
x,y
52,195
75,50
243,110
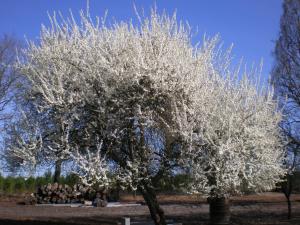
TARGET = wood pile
x,y
64,194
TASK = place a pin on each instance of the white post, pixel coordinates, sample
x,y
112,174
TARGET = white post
x,y
126,221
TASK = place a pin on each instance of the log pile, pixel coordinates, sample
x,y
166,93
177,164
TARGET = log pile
x,y
64,194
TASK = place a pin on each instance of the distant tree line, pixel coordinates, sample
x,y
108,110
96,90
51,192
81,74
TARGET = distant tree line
x,y
19,184
177,184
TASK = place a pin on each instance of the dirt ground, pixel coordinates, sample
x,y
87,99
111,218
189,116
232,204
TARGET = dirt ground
x,y
263,209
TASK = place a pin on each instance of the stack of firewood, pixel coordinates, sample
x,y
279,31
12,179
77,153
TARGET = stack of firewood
x,y
62,194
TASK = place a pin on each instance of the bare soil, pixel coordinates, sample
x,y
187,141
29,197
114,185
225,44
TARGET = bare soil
x,y
263,209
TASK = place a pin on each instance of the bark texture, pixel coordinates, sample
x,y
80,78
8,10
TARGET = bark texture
x,y
156,212
57,171
219,211
287,188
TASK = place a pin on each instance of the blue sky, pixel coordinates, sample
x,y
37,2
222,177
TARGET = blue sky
x,y
251,25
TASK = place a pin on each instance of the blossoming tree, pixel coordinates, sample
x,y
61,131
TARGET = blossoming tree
x,y
236,146
149,94
130,81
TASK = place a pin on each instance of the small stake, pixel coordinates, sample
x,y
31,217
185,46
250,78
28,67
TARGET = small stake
x,y
126,221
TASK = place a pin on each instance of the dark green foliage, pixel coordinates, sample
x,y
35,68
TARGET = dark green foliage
x,y
71,179
8,185
1,183
30,184
173,184
43,180
17,185
39,181
48,177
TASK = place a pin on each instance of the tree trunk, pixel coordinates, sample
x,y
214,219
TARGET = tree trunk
x,y
287,188
156,212
289,208
219,211
57,171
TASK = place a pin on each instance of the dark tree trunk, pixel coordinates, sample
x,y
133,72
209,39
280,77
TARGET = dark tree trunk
x,y
289,208
287,188
57,171
219,211
156,212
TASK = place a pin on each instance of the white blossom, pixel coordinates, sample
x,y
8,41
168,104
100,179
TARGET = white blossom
x,y
23,144
236,143
133,79
92,167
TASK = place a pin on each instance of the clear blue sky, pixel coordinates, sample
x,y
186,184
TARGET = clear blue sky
x,y
252,25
